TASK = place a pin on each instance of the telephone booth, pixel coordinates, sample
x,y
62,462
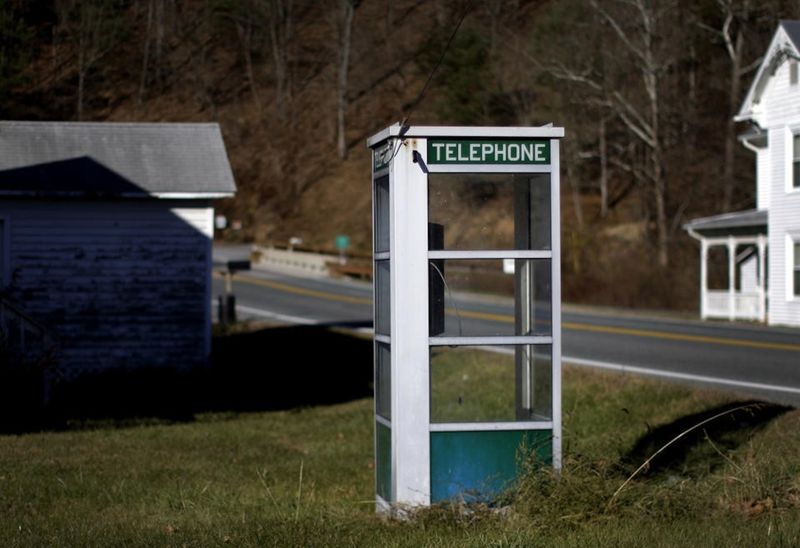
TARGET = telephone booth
x,y
467,310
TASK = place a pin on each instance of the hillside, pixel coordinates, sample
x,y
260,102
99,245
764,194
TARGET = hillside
x,y
298,85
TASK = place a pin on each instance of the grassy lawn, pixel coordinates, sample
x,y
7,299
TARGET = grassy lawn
x,y
305,478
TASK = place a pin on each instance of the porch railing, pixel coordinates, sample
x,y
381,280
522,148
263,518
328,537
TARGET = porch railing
x,y
746,305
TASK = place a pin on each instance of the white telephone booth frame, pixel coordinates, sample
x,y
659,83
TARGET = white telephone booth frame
x,y
401,154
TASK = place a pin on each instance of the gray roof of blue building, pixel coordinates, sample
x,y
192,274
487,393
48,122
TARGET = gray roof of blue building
x,y
114,159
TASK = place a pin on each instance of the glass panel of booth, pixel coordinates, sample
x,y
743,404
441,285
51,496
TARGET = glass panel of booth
x,y
476,297
383,320
383,380
381,214
489,211
490,275
497,383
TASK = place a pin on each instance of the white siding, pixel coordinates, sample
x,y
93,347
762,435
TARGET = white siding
x,y
780,103
748,270
778,112
780,116
762,179
784,220
120,283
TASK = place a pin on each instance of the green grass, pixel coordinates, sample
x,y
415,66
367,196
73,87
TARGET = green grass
x,y
305,478
471,385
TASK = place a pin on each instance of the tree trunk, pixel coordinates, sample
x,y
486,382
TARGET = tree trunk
x,y
81,78
603,169
728,172
344,67
280,32
146,58
159,45
245,32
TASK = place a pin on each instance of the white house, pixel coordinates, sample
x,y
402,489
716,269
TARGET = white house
x,y
105,238
765,240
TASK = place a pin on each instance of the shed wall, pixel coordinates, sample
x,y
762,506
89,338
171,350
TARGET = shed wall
x,y
122,284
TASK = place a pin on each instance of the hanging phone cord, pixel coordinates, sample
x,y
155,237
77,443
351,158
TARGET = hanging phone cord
x,y
450,294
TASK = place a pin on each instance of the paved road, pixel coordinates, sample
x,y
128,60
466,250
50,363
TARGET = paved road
x,y
747,358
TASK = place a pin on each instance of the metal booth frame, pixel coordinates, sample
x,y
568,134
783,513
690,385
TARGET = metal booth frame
x,y
400,167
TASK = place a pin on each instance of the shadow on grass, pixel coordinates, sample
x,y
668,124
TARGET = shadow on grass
x,y
268,369
703,447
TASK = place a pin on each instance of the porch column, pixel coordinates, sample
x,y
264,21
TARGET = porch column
x,y
762,278
703,278
731,278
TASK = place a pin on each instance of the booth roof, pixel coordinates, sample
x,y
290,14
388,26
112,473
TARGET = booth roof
x,y
480,132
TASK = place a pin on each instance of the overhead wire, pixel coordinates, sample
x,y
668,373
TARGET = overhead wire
x,y
404,127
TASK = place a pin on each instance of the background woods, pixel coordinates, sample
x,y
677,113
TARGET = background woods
x,y
646,89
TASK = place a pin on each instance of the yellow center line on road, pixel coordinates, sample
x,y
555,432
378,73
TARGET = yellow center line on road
x,y
505,318
680,336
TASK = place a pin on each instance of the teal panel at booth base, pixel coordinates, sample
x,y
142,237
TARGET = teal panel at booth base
x,y
477,466
383,461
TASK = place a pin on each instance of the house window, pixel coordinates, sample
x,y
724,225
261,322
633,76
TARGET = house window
x,y
793,73
796,269
796,162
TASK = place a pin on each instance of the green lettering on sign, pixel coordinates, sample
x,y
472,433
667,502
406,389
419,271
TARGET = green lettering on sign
x,y
383,155
488,151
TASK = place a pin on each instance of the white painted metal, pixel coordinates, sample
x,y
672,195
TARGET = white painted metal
x,y
489,426
487,341
499,168
409,332
381,504
491,254
555,244
410,343
544,132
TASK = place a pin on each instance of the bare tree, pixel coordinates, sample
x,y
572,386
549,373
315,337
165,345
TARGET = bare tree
x,y
348,9
158,15
602,150
637,29
736,15
93,28
280,34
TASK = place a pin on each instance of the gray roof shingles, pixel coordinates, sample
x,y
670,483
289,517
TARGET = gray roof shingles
x,y
117,159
